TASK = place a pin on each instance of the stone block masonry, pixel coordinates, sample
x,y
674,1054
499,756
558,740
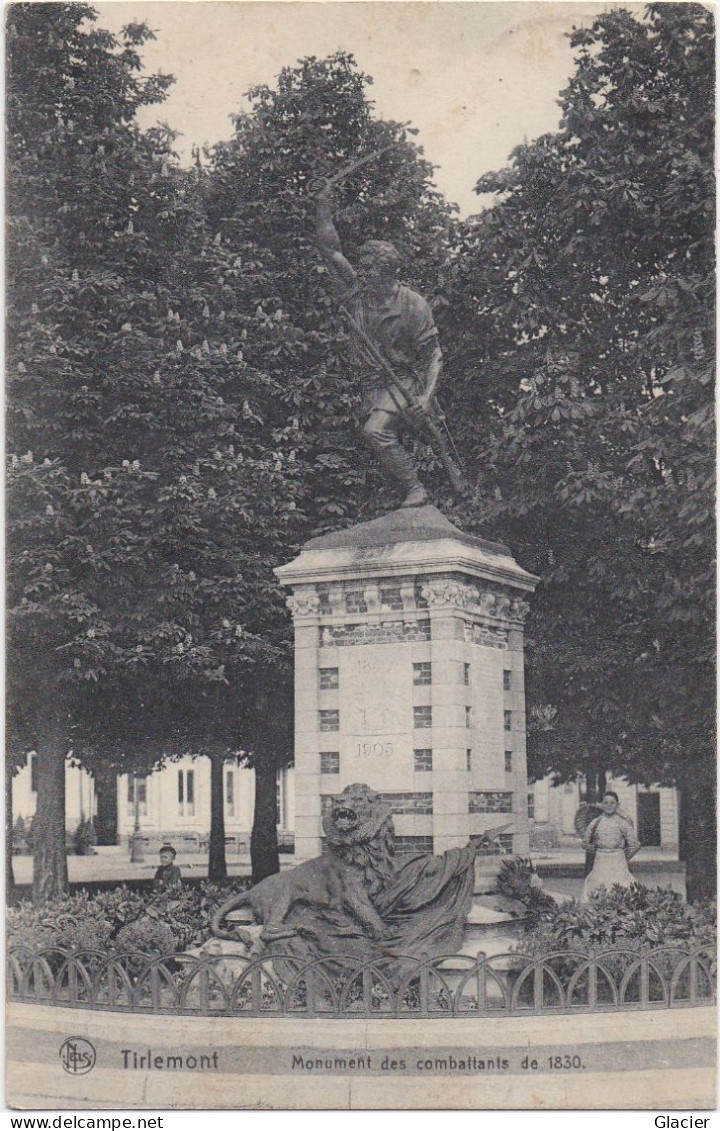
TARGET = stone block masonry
x,y
409,677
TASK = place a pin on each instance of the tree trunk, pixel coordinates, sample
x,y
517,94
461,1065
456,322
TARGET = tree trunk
x,y
263,842
217,864
50,873
10,890
591,797
697,836
591,786
106,819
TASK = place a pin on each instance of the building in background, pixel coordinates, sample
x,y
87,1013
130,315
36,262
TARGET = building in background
x,y
172,803
552,809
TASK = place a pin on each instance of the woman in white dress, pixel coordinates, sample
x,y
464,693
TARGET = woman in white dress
x,y
612,838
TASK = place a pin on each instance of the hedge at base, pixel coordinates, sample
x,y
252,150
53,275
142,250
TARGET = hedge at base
x,y
153,923
120,920
633,918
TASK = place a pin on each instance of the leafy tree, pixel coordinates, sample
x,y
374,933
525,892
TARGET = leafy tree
x,y
75,162
174,424
583,311
259,196
150,496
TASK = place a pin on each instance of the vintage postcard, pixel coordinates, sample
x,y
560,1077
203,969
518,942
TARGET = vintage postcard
x,y
360,556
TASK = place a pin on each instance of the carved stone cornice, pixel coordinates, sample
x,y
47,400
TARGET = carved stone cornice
x,y
444,592
488,636
303,605
485,603
493,604
519,610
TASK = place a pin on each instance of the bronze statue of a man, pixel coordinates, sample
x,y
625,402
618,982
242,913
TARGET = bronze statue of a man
x,y
399,324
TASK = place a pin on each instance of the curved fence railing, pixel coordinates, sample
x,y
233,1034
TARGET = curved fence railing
x,y
452,985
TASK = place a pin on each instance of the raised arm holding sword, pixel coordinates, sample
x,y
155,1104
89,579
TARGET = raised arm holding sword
x,y
394,337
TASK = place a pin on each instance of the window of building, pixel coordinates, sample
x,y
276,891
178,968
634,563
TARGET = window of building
x,y
508,761
468,717
422,674
355,599
466,674
391,597
230,793
329,720
281,799
468,758
413,844
422,717
422,760
507,681
502,845
137,786
329,679
330,762
409,804
648,818
531,806
490,801
186,793
33,764
508,720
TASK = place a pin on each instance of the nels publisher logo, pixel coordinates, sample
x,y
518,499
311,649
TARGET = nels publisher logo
x,y
77,1056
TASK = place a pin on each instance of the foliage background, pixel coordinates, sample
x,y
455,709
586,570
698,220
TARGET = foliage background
x,y
181,416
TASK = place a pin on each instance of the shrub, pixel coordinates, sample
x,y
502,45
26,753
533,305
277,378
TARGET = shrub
x,y
22,836
634,918
75,922
97,922
543,838
189,911
517,878
627,919
519,881
84,839
147,935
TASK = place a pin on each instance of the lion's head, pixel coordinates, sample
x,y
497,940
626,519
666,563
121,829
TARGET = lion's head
x,y
359,827
355,815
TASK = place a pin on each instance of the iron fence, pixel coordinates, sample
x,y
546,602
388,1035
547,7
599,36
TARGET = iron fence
x,y
448,986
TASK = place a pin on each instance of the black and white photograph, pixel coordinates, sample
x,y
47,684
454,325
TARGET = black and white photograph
x,y
360,540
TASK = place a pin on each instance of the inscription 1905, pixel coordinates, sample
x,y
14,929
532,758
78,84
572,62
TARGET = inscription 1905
x,y
375,749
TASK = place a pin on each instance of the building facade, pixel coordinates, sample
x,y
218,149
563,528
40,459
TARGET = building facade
x,y
552,808
172,803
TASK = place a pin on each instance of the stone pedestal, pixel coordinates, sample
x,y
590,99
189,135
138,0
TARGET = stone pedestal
x,y
409,677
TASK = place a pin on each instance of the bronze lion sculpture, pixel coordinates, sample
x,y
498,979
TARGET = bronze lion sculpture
x,y
359,899
360,842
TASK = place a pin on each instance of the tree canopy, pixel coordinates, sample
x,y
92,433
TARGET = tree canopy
x,y
179,414
582,308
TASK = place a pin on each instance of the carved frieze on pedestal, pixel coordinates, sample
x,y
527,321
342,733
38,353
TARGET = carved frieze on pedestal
x,y
303,605
487,635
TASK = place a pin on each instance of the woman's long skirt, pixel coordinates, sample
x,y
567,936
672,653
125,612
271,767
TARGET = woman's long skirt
x,y
610,868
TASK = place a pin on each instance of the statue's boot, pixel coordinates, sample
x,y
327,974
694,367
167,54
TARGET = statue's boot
x,y
398,466
416,497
